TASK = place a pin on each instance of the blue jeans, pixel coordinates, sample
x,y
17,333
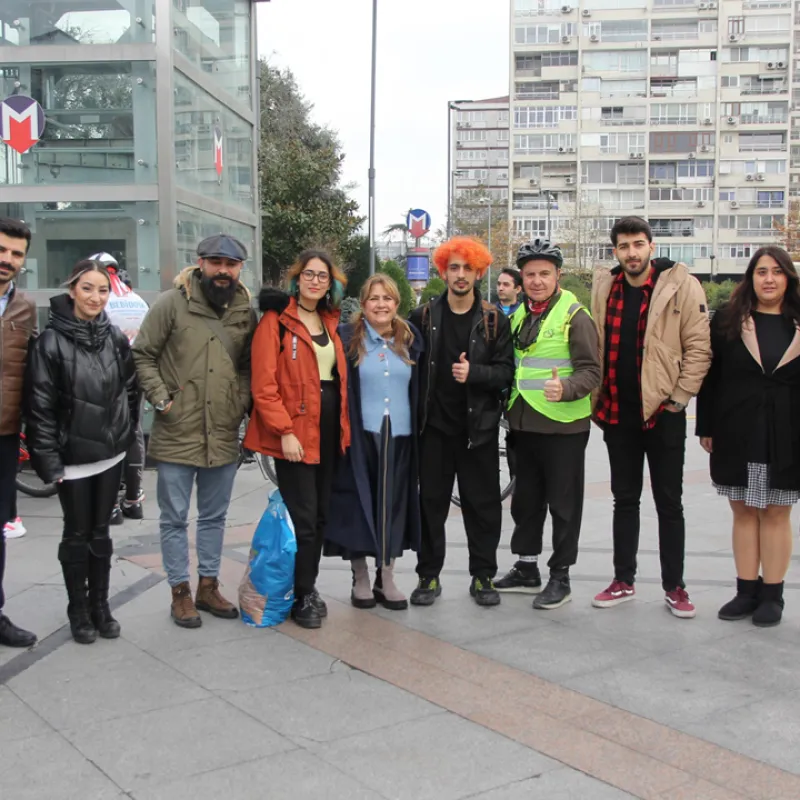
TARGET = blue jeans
x,y
214,487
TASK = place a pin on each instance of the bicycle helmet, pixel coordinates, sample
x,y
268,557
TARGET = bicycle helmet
x,y
106,259
540,248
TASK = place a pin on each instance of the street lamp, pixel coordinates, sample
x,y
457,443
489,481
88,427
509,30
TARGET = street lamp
x,y
371,202
451,203
451,106
488,201
550,199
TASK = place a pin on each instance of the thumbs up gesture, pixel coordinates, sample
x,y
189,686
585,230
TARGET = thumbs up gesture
x,y
553,388
461,369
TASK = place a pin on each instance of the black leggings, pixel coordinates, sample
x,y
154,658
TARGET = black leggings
x,y
87,504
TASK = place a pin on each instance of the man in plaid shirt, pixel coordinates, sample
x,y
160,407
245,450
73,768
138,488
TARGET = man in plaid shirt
x,y
655,350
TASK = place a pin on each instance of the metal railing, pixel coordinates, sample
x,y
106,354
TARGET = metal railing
x,y
761,148
625,121
762,119
673,120
672,36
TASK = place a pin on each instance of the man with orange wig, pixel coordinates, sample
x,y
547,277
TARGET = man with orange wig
x,y
466,371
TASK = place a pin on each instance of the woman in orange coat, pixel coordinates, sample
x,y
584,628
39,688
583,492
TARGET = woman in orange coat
x,y
299,386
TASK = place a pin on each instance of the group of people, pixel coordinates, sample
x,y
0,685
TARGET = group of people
x,y
371,423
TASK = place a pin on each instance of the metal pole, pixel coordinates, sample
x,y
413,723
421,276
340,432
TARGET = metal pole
x,y
548,216
449,171
372,140
489,237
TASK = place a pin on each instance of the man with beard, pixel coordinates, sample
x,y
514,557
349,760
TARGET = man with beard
x,y
655,350
17,325
466,371
193,360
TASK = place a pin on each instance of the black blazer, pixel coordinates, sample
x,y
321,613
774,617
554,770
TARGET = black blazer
x,y
735,392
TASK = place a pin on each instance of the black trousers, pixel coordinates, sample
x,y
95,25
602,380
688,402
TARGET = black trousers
x,y
87,504
9,456
550,475
134,460
664,446
306,490
444,458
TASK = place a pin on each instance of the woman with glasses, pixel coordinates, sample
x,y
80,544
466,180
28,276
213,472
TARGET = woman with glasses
x,y
299,386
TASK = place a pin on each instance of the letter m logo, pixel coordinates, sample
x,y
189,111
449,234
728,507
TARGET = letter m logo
x,y
21,122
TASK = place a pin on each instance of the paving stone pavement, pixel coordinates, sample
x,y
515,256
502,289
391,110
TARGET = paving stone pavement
x,y
452,701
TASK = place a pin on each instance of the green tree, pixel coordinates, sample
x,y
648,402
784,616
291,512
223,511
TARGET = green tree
x,y
433,288
579,283
398,275
718,294
299,167
355,260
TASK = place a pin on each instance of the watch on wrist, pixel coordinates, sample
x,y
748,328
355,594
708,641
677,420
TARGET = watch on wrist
x,y
676,404
161,405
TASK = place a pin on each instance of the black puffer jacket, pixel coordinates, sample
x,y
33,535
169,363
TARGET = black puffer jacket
x,y
82,397
491,370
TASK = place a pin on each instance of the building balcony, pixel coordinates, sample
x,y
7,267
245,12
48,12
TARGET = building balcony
x,y
672,91
762,148
761,119
753,233
750,90
673,232
622,122
528,73
760,4
673,121
537,96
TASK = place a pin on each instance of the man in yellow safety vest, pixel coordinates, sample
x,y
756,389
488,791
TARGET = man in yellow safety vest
x,y
557,367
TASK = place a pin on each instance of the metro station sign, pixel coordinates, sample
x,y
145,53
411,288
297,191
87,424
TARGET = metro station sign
x,y
21,122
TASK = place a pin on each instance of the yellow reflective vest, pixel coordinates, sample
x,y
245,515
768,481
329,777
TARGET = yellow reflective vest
x,y
534,365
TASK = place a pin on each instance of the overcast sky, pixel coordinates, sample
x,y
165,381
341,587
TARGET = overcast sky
x,y
429,52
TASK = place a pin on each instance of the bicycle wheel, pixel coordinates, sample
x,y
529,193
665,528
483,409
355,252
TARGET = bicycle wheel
x,y
267,466
28,482
506,479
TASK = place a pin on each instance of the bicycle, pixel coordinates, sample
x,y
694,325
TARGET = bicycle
x,y
265,463
27,480
507,479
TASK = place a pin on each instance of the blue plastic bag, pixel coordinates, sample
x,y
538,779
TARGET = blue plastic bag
x,y
266,592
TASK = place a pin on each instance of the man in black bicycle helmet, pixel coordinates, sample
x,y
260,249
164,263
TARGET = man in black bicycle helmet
x,y
549,412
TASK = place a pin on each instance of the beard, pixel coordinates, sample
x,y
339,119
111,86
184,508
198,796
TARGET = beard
x,y
636,269
458,291
219,289
9,274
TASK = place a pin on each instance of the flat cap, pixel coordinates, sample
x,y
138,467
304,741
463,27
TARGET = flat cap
x,y
222,246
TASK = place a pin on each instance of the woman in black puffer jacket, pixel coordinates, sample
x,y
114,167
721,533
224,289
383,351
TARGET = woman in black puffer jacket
x,y
82,405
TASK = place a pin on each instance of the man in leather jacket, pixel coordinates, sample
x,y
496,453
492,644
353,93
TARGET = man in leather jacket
x,y
17,324
465,374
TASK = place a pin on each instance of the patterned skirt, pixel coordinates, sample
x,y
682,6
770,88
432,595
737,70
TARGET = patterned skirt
x,y
757,493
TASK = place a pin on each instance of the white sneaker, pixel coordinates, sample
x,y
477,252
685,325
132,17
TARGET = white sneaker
x,y
14,529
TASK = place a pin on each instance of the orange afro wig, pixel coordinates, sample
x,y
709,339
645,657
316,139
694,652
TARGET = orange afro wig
x,y
474,251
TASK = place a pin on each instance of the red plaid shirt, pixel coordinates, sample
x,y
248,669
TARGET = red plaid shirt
x,y
608,406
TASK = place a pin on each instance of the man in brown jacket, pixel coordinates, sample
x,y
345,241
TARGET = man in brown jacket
x,y
655,350
17,324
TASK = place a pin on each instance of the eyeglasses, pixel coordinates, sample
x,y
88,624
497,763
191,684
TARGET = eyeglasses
x,y
308,275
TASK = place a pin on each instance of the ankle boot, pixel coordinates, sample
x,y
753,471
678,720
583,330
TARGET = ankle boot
x,y
74,557
745,602
361,596
100,551
770,608
385,590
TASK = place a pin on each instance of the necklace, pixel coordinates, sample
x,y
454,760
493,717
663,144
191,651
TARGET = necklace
x,y
307,310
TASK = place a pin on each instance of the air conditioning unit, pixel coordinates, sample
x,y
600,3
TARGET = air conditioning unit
x,y
771,65
565,40
467,125
594,38
704,148
586,13
656,38
566,9
534,182
692,155
749,177
712,5
701,204
569,181
760,176
732,120
703,6
734,37
562,149
734,204
640,155
780,65
459,145
708,121
633,155
571,150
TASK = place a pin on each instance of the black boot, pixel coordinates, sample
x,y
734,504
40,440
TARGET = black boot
x,y
745,602
555,594
770,607
74,558
100,551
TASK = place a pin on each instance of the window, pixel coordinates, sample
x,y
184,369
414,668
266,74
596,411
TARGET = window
x,y
683,194
770,199
598,172
696,168
543,142
472,136
543,116
754,223
681,142
502,136
663,171
472,116
615,61
503,116
686,253
540,90
622,143
761,141
471,155
527,171
673,113
775,23
618,30
543,34
672,227
560,59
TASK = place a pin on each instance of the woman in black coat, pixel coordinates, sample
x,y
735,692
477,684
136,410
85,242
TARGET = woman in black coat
x,y
747,419
375,502
82,406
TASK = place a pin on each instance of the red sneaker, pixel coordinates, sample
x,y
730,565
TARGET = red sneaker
x,y
618,592
679,604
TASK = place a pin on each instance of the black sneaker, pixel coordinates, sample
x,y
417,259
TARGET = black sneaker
x,y
319,604
523,578
305,614
116,516
555,594
428,589
482,589
132,509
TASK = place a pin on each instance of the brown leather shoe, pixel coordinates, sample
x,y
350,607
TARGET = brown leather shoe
x,y
183,609
209,599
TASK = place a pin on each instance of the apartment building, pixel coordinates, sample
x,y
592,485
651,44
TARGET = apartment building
x,y
479,151
680,111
